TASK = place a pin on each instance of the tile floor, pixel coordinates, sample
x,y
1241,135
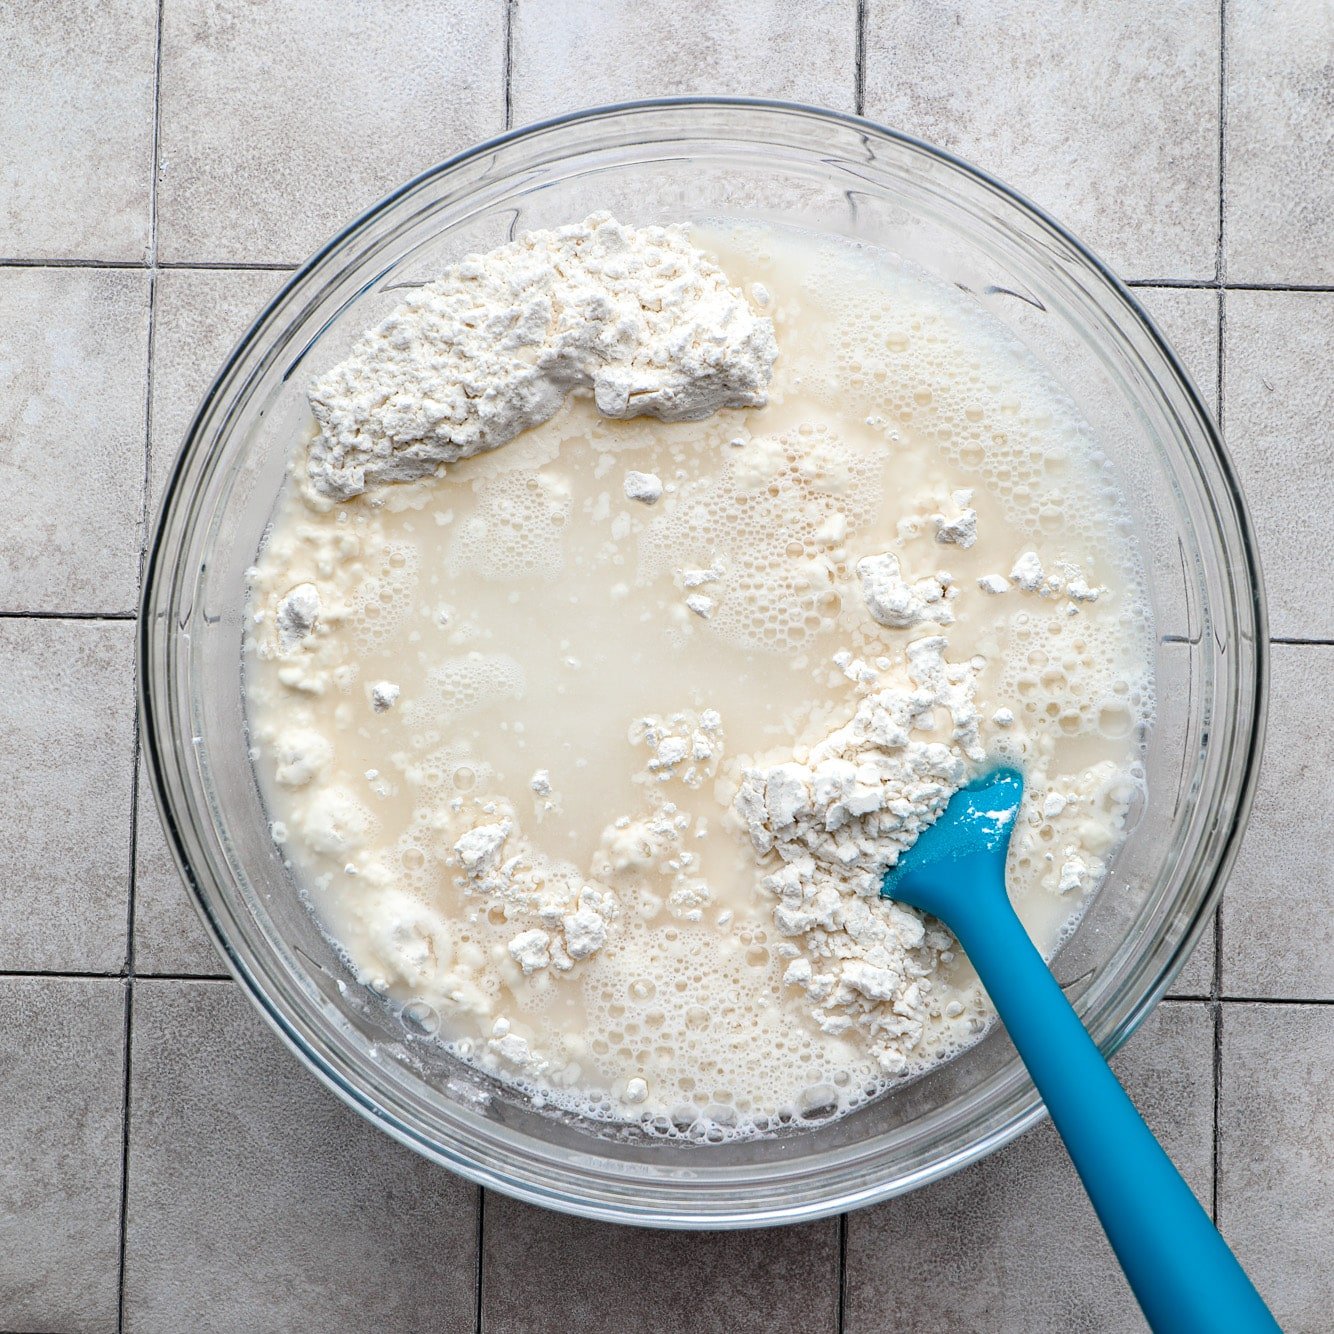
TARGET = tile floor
x,y
164,1164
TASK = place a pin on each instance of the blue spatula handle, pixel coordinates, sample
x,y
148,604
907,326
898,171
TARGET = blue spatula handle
x,y
1181,1270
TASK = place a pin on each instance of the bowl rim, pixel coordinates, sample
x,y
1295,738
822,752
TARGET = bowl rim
x,y
155,576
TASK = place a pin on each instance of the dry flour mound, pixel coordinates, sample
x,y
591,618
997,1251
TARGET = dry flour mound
x,y
838,819
638,315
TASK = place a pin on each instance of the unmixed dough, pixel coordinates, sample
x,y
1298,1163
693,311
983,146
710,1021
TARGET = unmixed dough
x,y
594,749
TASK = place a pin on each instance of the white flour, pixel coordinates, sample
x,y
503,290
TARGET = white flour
x,y
494,346
597,746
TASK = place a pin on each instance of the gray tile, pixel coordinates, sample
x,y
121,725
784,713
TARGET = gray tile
x,y
280,123
62,1079
1278,402
1106,115
578,53
599,1277
1012,1243
258,1201
1188,318
168,935
66,770
1276,1155
76,119
1278,936
1279,169
73,355
199,317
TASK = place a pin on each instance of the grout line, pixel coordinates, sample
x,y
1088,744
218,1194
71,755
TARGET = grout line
x,y
122,975
1220,260
1220,421
124,1157
145,482
285,266
1214,285
1295,639
842,1272
279,266
859,90
15,262
144,490
481,1239
134,843
1277,287
1215,996
68,615
1195,284
134,832
1175,998
80,974
1220,273
141,978
1218,1085
230,265
509,104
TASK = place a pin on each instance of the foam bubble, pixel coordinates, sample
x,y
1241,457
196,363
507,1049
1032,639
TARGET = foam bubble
x,y
773,522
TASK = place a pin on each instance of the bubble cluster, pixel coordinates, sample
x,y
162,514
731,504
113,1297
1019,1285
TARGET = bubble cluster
x,y
516,531
933,369
1075,675
771,521
461,686
384,595
446,772
676,1007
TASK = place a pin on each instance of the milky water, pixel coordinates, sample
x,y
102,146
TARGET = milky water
x,y
532,618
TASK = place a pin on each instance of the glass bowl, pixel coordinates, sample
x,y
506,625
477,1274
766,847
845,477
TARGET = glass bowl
x,y
658,162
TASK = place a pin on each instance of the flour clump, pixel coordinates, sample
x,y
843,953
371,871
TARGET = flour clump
x,y
297,614
639,316
645,487
839,819
893,601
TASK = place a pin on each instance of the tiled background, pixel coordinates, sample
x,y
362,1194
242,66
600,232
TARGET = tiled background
x,y
164,1164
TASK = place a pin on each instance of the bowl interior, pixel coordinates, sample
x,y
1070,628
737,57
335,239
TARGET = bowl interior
x,y
659,163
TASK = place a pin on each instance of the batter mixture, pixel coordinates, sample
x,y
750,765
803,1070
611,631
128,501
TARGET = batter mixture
x,y
638,597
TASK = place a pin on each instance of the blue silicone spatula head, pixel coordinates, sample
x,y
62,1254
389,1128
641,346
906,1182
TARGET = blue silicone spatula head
x,y
1182,1273
962,856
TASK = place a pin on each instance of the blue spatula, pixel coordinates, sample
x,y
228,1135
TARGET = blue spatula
x,y
1182,1272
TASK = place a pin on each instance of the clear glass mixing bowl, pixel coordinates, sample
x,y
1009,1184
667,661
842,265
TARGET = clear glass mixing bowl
x,y
659,162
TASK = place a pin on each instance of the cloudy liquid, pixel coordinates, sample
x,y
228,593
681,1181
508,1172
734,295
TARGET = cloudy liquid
x,y
530,616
